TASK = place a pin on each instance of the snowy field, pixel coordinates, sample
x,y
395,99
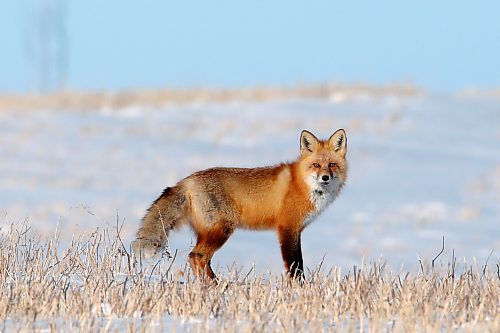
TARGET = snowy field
x,y
421,168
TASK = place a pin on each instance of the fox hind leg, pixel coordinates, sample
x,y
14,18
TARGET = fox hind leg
x,y
207,244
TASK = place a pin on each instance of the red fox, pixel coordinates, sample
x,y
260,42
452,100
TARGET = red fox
x,y
214,202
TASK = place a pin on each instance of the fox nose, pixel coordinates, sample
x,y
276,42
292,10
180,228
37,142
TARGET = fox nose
x,y
325,178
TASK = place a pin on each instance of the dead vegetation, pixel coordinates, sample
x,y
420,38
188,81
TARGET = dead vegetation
x,y
91,284
158,98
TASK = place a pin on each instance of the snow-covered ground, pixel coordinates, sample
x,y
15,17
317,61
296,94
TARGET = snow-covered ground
x,y
420,168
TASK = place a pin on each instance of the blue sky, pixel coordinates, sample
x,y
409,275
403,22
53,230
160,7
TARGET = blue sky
x,y
114,45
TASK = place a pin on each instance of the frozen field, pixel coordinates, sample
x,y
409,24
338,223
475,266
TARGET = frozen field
x,y
420,168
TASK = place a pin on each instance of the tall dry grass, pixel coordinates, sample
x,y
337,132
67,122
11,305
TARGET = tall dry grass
x,y
158,98
91,284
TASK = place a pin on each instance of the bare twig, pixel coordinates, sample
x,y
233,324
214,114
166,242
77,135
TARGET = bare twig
x,y
440,252
486,263
421,264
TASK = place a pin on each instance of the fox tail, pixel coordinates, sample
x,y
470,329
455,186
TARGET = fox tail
x,y
163,215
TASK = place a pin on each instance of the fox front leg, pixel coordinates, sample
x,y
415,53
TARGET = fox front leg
x,y
291,251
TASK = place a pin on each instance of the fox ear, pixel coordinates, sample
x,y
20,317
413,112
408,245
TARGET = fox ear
x,y
308,142
338,142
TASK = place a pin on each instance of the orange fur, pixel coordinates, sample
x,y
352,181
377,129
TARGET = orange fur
x,y
214,202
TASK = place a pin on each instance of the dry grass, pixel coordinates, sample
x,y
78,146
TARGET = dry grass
x,y
92,285
158,98
480,94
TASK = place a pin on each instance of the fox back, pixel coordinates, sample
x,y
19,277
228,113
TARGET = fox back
x,y
214,202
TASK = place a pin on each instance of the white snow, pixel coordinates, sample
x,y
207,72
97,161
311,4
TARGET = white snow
x,y
420,168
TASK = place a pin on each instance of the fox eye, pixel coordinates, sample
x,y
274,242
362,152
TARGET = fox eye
x,y
332,165
316,165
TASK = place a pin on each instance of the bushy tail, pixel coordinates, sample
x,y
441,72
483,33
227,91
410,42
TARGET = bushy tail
x,y
165,213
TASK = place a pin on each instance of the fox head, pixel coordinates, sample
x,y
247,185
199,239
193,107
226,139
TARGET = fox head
x,y
323,163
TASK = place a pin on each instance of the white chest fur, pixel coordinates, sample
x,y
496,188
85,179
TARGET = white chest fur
x,y
321,197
